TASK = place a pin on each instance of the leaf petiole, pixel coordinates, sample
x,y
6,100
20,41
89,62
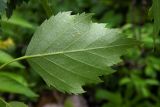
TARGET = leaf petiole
x,y
17,59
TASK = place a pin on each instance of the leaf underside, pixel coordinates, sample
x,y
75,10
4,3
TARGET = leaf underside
x,y
69,51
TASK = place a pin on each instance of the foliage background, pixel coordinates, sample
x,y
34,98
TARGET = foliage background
x,y
136,82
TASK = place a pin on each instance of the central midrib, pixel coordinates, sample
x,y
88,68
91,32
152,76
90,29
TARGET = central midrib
x,y
72,51
62,52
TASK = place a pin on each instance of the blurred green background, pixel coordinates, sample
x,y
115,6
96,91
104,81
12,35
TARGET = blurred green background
x,y
136,82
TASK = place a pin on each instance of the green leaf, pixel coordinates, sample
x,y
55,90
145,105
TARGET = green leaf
x,y
6,58
11,104
2,103
112,19
155,14
17,104
12,4
17,19
124,81
3,6
115,98
69,51
14,83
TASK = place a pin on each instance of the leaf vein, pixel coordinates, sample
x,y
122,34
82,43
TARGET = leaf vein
x,y
53,75
83,62
68,69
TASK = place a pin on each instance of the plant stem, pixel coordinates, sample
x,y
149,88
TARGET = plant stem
x,y
17,59
47,8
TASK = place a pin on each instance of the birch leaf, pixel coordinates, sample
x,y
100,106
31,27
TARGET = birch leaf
x,y
69,51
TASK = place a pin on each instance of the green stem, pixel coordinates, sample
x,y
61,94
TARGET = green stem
x,y
17,59
47,8
27,57
24,57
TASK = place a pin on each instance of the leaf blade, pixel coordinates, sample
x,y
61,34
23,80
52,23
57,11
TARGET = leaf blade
x,y
75,51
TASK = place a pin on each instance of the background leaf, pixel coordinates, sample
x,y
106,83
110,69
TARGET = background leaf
x,y
2,103
18,20
14,83
3,6
11,104
17,104
155,14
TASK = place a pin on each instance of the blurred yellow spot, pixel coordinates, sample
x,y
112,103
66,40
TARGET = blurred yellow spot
x,y
6,43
